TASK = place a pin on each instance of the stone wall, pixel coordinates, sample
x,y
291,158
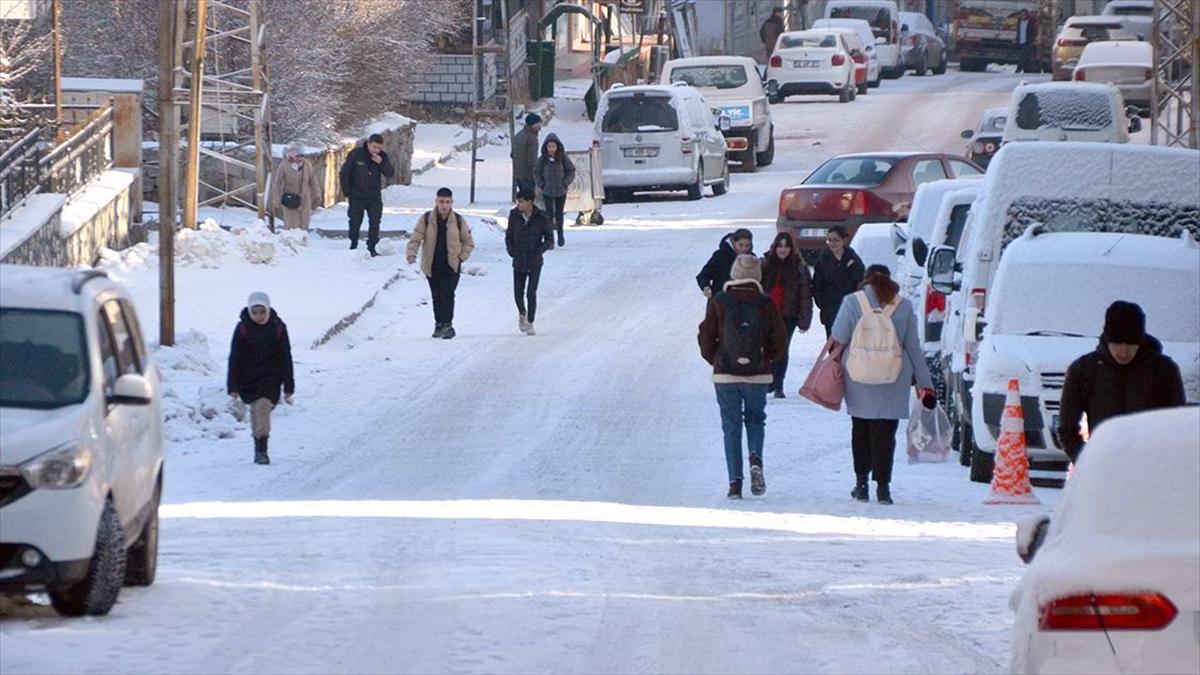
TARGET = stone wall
x,y
451,81
103,217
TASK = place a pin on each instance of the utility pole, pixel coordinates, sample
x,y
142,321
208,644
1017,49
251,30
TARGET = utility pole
x,y
1175,92
168,147
191,176
59,135
476,44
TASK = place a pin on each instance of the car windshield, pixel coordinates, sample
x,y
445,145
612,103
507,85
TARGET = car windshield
x,y
1064,109
639,113
851,171
878,17
1093,32
711,77
1130,10
792,41
43,359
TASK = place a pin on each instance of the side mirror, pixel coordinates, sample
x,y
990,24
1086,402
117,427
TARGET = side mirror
x,y
1031,532
881,41
1135,122
941,268
131,390
724,123
899,239
968,134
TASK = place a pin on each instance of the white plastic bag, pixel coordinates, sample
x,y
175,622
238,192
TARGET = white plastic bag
x,y
929,434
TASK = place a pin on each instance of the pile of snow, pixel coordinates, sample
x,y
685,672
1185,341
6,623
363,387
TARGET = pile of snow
x,y
194,402
207,245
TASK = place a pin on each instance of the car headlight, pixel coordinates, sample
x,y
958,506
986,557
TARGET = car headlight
x,y
62,468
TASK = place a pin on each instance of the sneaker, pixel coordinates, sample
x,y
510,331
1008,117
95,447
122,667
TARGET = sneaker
x,y
449,332
522,323
530,331
861,493
758,484
735,489
439,331
883,494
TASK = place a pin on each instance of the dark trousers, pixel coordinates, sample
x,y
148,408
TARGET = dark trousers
x,y
374,210
874,446
1026,63
522,184
780,366
828,316
554,209
525,283
442,285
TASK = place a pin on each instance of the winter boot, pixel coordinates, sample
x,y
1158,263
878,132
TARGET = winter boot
x,y
439,330
561,242
758,485
779,393
735,489
260,451
353,244
861,492
529,330
372,251
883,494
448,332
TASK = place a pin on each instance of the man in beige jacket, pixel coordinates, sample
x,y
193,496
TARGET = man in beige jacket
x,y
447,244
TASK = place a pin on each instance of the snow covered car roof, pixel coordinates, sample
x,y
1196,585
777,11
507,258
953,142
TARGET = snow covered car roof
x,y
712,61
1118,52
927,200
50,288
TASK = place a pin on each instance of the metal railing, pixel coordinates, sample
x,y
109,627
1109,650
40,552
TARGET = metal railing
x,y
20,172
28,167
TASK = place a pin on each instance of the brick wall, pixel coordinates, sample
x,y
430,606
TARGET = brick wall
x,y
451,81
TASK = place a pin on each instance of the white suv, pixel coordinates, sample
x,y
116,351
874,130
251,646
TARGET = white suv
x,y
80,440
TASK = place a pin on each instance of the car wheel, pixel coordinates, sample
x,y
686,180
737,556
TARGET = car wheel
x,y
749,158
767,156
697,191
141,561
968,65
921,68
982,463
722,187
844,94
876,82
941,67
862,90
97,592
777,98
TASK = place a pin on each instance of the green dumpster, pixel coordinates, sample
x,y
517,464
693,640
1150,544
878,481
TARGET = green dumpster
x,y
540,56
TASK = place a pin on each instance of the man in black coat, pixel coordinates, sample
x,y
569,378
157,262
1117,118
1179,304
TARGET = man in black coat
x,y
362,176
1127,373
837,272
716,271
528,236
260,363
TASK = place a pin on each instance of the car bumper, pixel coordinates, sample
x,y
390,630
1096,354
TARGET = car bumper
x,y
809,88
810,235
739,139
18,575
61,524
1136,94
650,179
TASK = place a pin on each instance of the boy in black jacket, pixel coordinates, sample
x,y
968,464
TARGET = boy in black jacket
x,y
528,236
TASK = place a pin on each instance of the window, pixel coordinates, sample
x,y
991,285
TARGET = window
x,y
639,113
927,171
851,171
794,40
122,340
135,331
879,18
43,359
1064,109
108,355
962,169
958,222
716,77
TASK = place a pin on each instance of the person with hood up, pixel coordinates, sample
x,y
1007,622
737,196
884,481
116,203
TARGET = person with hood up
x,y
1127,373
260,364
362,177
786,280
741,337
295,188
524,153
715,272
553,173
837,272
527,237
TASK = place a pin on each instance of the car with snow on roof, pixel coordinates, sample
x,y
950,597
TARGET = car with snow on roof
x,y
1071,111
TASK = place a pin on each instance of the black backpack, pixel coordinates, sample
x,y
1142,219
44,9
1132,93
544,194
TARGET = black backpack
x,y
741,349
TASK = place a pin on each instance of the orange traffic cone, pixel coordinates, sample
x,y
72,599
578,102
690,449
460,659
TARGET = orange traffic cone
x,y
1010,479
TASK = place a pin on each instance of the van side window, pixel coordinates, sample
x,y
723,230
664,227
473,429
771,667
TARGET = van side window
x,y
122,341
108,356
135,331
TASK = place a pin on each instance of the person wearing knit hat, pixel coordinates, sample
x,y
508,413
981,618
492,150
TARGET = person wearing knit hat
x,y
741,337
1127,373
524,153
260,364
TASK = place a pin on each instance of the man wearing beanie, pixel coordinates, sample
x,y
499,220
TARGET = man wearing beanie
x,y
260,363
1127,373
741,336
525,147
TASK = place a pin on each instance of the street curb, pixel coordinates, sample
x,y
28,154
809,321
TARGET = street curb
x,y
352,318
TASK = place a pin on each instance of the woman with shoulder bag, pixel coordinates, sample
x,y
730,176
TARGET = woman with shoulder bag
x,y
295,189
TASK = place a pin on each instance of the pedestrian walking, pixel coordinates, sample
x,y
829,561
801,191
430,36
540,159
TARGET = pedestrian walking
x,y
1026,40
882,359
527,237
524,153
1127,373
787,281
362,176
771,29
260,364
715,272
553,173
741,336
295,188
837,272
445,242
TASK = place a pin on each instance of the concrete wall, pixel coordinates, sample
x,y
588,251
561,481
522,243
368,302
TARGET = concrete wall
x,y
451,81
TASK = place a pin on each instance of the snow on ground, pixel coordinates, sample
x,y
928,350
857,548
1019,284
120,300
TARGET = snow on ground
x,y
505,503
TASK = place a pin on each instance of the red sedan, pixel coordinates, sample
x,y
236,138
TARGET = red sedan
x,y
866,188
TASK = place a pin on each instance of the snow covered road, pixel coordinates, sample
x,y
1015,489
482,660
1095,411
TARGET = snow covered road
x,y
503,503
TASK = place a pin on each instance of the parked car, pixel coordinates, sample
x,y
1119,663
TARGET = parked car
x,y
1137,16
1101,187
850,190
863,29
873,243
81,451
660,137
1129,66
1077,33
1032,336
1111,585
884,17
858,54
986,140
733,87
816,61
922,217
1070,111
921,48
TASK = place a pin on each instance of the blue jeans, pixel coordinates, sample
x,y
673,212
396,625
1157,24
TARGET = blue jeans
x,y
742,403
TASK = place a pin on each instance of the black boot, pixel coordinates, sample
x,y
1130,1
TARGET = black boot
x,y
861,492
260,451
758,484
353,244
883,494
371,250
448,333
735,489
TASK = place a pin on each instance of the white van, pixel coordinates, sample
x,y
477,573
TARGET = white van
x,y
884,17
1032,335
863,30
922,218
1069,187
660,137
732,85
1069,111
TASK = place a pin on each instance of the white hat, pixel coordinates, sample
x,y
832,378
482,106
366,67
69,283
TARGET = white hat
x,y
745,268
258,298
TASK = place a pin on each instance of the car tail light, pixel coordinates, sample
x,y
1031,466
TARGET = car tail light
x,y
1117,611
933,301
595,143
838,59
776,62
785,200
1080,75
686,146
979,148
859,58
979,298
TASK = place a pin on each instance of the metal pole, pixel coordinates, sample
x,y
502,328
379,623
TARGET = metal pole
x,y
477,41
191,175
59,134
168,145
262,154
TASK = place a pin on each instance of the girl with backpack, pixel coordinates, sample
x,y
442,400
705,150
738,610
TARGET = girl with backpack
x,y
786,280
882,359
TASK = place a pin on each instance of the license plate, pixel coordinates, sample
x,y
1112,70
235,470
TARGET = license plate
x,y
812,232
640,152
806,64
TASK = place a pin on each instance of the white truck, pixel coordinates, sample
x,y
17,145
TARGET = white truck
x,y
733,87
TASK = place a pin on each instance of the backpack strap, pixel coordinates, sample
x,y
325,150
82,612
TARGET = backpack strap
x,y
889,310
863,302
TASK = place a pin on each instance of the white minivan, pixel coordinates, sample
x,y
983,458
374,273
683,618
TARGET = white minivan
x,y
660,137
884,17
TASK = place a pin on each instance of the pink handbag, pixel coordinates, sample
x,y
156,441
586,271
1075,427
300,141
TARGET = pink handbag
x,y
825,385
